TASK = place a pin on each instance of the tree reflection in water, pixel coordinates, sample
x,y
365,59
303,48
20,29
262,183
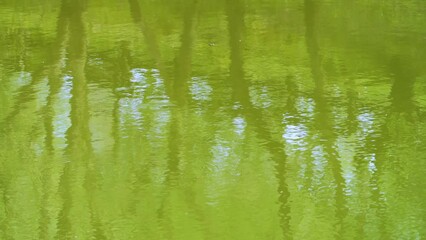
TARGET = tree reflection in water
x,y
212,120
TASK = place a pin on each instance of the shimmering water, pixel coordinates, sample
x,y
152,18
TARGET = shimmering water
x,y
197,119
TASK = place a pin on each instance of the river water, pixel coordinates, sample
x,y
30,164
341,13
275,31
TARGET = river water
x,y
197,119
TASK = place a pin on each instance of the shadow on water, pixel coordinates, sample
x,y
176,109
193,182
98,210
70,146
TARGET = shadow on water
x,y
399,125
54,84
177,91
27,92
139,19
164,176
240,94
76,185
323,118
402,92
120,78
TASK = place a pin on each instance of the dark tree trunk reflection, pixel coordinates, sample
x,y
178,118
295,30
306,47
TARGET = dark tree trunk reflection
x,y
253,116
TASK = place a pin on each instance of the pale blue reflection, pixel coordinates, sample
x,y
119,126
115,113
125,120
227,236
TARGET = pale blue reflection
x,y
216,180
200,89
259,96
144,101
129,112
133,98
305,107
18,80
240,125
295,136
366,121
372,162
346,148
62,108
157,99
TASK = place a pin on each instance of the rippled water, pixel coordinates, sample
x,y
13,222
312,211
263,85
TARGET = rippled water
x,y
196,119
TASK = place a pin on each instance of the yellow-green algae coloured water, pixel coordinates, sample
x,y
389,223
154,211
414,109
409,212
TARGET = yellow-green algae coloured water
x,y
216,120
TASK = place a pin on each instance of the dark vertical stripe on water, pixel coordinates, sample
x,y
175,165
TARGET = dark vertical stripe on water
x,y
323,118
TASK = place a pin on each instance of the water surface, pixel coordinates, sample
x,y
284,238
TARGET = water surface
x,y
196,119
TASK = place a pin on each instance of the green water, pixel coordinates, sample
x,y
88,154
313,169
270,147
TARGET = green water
x,y
217,120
